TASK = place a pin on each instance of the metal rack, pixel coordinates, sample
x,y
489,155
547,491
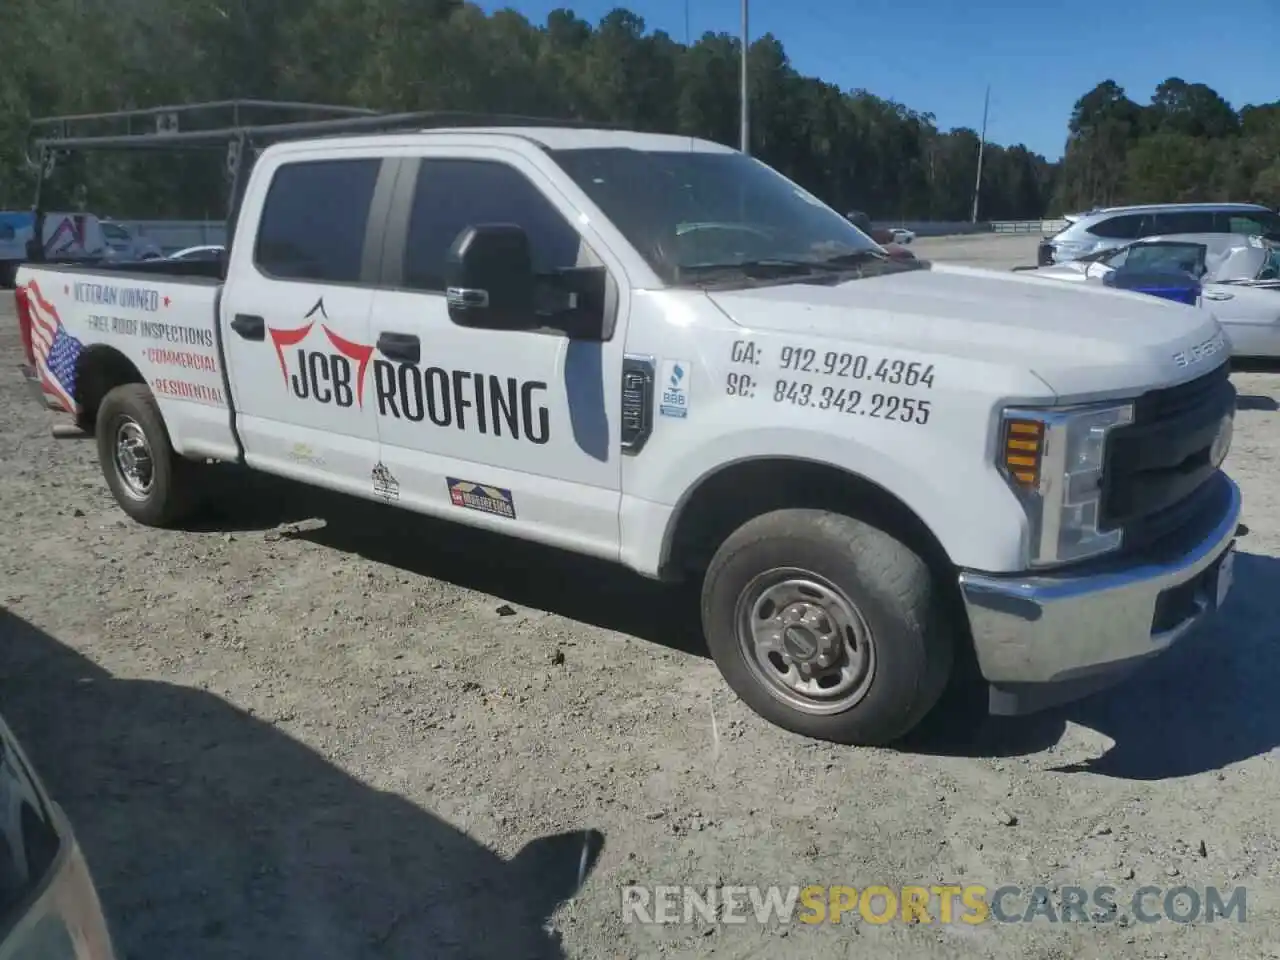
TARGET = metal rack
x,y
241,128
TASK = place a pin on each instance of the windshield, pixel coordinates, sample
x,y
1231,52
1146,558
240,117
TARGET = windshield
x,y
688,211
112,232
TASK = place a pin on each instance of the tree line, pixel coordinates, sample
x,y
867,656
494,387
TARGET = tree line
x,y
1187,144
854,149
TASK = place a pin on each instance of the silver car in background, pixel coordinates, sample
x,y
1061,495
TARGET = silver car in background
x,y
1113,227
1239,280
49,908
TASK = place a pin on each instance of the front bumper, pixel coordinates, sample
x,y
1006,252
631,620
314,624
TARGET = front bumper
x,y
1043,639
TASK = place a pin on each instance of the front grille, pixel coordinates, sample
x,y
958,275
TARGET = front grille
x,y
1159,465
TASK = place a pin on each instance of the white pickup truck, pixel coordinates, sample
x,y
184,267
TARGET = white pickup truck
x,y
658,351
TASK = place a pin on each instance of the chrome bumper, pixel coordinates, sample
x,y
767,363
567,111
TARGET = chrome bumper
x,y
1072,628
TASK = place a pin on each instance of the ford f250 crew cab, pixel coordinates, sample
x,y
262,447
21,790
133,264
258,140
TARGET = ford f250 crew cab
x,y
660,352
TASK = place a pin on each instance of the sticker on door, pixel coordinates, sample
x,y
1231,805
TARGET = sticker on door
x,y
385,486
482,497
675,389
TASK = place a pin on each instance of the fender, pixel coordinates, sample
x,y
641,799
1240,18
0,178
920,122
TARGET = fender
x,y
964,502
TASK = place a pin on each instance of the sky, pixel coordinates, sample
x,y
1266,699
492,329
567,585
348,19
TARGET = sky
x,y
938,56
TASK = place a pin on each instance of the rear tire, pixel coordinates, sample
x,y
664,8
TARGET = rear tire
x,y
827,626
150,482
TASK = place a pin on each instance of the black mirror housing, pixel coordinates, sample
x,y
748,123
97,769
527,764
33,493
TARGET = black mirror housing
x,y
489,280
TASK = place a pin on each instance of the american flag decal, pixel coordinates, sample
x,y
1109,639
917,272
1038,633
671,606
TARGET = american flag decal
x,y
56,351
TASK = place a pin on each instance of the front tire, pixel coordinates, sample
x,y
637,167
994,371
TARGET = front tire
x,y
827,626
150,482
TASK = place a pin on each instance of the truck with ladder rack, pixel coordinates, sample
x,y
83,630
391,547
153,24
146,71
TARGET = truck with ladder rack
x,y
659,352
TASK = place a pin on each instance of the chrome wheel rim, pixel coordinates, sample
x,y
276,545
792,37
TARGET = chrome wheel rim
x,y
132,459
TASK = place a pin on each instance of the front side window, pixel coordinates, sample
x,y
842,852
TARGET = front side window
x,y
453,194
314,219
685,211
1250,224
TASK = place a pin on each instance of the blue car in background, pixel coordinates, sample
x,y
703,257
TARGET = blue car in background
x,y
1160,267
1169,283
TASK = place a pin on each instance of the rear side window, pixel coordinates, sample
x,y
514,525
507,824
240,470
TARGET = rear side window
x,y
1183,221
452,195
1127,227
313,222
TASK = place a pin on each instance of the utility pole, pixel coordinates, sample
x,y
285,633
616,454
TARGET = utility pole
x,y
745,144
982,144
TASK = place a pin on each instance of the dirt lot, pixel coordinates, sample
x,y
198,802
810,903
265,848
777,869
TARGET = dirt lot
x,y
372,736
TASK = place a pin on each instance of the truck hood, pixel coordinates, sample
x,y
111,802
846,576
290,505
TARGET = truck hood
x,y
1083,341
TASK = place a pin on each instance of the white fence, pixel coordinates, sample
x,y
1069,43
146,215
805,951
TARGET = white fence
x,y
173,235
1043,227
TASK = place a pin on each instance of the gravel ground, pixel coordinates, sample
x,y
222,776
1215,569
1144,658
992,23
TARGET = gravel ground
x,y
368,735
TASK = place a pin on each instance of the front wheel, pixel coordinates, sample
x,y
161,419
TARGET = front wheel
x,y
150,482
827,626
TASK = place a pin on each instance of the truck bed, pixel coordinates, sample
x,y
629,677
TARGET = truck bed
x,y
160,317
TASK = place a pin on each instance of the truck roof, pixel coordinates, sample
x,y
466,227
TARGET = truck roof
x,y
548,137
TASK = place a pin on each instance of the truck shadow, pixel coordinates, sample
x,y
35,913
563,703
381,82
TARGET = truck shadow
x,y
208,828
1206,704
518,572
1209,702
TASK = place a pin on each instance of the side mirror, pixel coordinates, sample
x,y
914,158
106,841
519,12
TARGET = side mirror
x,y
489,281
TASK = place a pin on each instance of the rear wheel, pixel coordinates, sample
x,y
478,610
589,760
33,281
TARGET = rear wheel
x,y
150,482
826,626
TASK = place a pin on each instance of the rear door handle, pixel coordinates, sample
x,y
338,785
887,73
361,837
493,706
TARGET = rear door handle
x,y
404,347
249,326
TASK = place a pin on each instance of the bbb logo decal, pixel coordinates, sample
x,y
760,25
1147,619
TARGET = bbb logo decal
x,y
675,388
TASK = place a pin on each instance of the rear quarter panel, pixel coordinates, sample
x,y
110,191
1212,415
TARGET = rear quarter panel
x,y
165,327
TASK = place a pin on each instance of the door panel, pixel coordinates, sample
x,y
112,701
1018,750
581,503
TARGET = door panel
x,y
519,428
295,322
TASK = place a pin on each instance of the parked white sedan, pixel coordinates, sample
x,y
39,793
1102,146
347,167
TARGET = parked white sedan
x,y
1239,280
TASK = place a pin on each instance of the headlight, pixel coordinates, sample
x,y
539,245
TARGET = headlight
x,y
1054,460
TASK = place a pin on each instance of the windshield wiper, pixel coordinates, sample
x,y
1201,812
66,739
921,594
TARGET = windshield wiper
x,y
854,258
757,269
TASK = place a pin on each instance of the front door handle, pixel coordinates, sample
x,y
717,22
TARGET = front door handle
x,y
249,326
404,347
1217,295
